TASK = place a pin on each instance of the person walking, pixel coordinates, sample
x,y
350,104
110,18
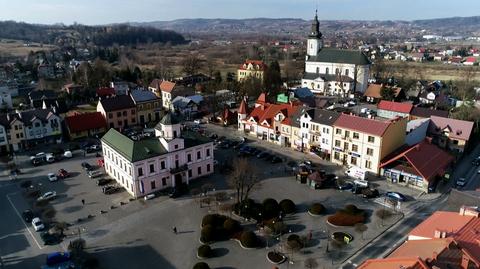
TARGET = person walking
x,y
174,230
83,201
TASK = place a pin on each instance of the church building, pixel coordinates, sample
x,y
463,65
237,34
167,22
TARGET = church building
x,y
331,71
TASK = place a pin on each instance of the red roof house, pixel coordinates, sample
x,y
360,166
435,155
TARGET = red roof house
x,y
86,124
364,125
105,92
404,108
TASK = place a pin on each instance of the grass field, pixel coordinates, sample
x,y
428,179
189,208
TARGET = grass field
x,y
18,48
432,71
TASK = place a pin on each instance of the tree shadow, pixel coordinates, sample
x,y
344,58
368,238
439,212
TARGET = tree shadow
x,y
71,209
220,252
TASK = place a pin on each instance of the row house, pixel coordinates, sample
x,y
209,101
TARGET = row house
x,y
148,105
170,159
25,129
82,125
363,143
316,127
118,111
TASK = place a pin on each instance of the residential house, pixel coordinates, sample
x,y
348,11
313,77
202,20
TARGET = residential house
x,y
154,87
316,128
470,61
119,111
5,100
169,90
37,97
391,110
418,166
450,134
251,69
373,94
82,125
40,126
425,113
185,106
192,80
293,130
170,159
16,132
148,105
364,143
4,126
58,105
120,87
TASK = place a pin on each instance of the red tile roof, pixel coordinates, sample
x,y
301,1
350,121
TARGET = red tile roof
x,y
374,91
428,160
458,129
262,98
395,106
105,91
267,113
243,107
167,86
261,65
423,249
363,125
84,122
450,222
394,263
468,238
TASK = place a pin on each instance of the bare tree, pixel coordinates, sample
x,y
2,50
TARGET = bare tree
x,y
191,64
361,229
243,179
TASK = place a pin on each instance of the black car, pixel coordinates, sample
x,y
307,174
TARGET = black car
x,y
269,157
345,186
276,159
357,189
111,189
370,193
103,181
27,215
37,161
50,239
86,166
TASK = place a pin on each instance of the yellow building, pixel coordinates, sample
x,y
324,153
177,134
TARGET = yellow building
x,y
363,143
149,106
251,68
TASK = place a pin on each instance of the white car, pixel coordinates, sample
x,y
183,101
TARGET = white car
x,y
52,177
37,224
48,196
49,158
461,182
197,121
40,155
68,154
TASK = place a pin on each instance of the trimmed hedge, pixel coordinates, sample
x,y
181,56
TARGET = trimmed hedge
x,y
249,239
288,206
217,227
214,219
317,209
205,251
207,234
201,265
270,208
231,227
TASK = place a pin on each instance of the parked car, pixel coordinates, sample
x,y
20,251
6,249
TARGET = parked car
x,y
476,162
103,181
276,159
95,147
67,154
370,193
56,258
461,182
50,239
37,161
49,158
346,185
197,121
52,177
86,166
357,189
62,173
37,224
39,155
48,196
27,215
396,196
111,189
94,174
262,154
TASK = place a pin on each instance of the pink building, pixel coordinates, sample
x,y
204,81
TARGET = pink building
x,y
119,111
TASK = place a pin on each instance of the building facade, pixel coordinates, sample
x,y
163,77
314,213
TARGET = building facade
x,y
85,125
148,105
118,111
316,127
251,69
169,159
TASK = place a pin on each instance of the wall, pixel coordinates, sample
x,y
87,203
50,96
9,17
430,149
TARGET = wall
x,y
416,131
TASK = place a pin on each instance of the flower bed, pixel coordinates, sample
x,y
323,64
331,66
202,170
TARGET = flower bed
x,y
276,257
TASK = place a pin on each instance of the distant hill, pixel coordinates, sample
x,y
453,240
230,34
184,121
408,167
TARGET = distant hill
x,y
121,34
291,26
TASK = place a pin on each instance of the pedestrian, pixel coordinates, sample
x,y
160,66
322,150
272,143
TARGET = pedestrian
x,y
83,201
174,230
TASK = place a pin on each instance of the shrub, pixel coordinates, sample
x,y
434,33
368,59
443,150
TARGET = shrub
x,y
288,206
352,210
231,227
270,208
213,219
249,239
294,241
205,251
317,209
207,234
293,237
201,265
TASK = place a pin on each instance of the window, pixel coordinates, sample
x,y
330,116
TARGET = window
x,y
346,72
336,156
368,164
190,173
369,152
327,71
162,164
174,134
152,168
353,160
176,146
124,113
140,172
199,155
119,114
345,146
337,143
354,148
208,152
120,123
371,139
208,168
199,170
356,135
337,71
347,133
318,70
189,157
16,127
338,131
152,185
164,181
133,111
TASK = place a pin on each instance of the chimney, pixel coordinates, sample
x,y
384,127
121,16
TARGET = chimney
x,y
469,211
439,234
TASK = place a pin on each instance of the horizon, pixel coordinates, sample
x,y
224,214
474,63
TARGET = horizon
x,y
91,12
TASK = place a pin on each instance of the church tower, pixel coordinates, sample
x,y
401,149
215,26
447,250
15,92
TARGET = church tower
x,y
315,41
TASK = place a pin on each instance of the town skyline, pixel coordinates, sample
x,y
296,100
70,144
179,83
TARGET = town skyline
x,y
96,13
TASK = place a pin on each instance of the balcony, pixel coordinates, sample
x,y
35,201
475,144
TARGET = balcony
x,y
179,169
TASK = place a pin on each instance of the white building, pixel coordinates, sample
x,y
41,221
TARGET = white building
x,y
333,71
316,128
5,99
169,159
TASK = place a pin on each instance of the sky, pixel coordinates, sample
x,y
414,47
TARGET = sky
x,y
116,11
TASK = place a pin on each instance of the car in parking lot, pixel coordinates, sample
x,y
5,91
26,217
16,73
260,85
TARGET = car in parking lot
x,y
345,185
370,193
49,158
461,182
111,189
48,196
68,154
396,196
94,174
40,155
37,224
52,177
37,161
28,215
57,258
62,173
262,154
476,162
104,181
50,239
86,166
276,159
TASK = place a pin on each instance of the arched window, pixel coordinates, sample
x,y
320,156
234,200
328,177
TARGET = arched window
x,y
337,71
346,72
318,70
326,71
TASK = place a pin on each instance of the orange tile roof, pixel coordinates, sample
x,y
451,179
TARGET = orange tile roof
x,y
395,106
423,249
374,91
469,239
261,65
243,107
394,263
267,112
167,86
450,222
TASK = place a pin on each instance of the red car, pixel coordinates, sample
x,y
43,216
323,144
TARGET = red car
x,y
62,173
100,162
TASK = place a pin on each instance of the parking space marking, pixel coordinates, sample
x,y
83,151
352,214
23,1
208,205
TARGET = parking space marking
x,y
21,219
